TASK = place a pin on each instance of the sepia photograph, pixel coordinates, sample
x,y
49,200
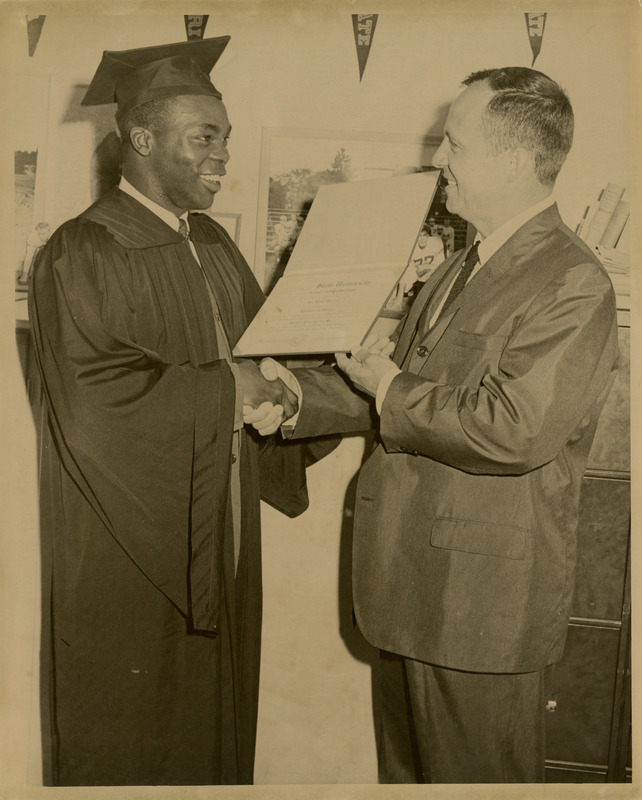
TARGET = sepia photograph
x,y
320,393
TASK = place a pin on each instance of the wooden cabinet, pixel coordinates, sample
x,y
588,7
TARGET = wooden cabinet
x,y
589,690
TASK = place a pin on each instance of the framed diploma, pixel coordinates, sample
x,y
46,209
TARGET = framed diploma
x,y
348,258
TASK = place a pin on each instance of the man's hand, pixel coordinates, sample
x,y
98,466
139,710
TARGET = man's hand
x,y
368,364
269,402
266,419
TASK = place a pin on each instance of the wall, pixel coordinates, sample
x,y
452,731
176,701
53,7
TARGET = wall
x,y
294,65
296,70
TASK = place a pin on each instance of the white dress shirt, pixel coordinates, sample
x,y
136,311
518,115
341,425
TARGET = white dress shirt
x,y
163,213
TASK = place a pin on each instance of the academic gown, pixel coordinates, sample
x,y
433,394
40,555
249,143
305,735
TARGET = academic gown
x,y
151,642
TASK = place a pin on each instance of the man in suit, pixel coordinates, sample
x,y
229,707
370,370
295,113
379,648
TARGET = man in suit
x,y
467,507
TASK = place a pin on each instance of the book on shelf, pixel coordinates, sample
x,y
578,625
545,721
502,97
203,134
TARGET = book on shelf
x,y
616,224
616,263
613,259
606,205
605,229
623,243
583,225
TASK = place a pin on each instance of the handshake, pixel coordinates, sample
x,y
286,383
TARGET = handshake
x,y
269,395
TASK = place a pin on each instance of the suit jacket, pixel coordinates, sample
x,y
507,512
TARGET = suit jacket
x,y
467,508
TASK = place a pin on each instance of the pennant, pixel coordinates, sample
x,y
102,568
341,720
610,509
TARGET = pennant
x,y
364,28
34,28
535,26
195,25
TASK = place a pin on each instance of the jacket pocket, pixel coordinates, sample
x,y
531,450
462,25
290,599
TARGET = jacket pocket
x,y
482,538
461,357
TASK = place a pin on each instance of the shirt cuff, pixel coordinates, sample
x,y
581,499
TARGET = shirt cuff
x,y
384,385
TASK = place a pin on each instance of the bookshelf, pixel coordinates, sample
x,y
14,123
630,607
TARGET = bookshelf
x,y
605,229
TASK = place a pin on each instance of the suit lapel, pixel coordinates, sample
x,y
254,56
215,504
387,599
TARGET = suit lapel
x,y
511,255
422,301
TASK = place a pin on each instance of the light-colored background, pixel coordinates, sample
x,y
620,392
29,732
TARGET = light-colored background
x,y
291,65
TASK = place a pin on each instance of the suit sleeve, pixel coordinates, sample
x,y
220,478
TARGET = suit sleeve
x,y
144,441
330,405
555,367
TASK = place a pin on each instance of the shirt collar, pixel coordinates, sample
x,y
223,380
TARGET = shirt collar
x,y
491,244
163,213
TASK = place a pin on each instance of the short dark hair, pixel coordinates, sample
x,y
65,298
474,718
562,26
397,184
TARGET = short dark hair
x,y
528,110
154,115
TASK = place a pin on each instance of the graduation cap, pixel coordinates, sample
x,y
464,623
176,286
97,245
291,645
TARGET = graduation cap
x,y
132,77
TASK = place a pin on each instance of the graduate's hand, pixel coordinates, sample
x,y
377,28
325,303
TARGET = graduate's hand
x,y
368,363
267,418
257,391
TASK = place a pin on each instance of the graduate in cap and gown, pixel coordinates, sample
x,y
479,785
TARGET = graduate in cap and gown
x,y
150,484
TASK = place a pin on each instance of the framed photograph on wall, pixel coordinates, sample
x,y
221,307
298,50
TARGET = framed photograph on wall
x,y
31,229
295,162
231,223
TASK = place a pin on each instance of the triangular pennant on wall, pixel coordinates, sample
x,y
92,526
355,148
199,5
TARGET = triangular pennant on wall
x,y
364,28
535,26
34,28
195,25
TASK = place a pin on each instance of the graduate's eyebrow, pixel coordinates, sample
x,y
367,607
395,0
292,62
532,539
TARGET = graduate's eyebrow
x,y
209,126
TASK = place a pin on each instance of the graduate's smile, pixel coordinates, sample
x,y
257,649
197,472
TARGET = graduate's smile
x,y
212,180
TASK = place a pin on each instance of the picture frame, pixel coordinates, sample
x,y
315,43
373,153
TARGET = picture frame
x,y
295,161
29,145
231,222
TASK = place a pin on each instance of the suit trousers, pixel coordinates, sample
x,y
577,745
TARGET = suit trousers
x,y
439,725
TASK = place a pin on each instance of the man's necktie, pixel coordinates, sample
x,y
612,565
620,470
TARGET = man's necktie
x,y
464,273
183,229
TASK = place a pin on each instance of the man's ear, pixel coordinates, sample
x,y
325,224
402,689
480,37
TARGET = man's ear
x,y
141,140
518,162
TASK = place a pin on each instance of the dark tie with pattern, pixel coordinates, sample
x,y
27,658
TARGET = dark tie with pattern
x,y
464,273
183,229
